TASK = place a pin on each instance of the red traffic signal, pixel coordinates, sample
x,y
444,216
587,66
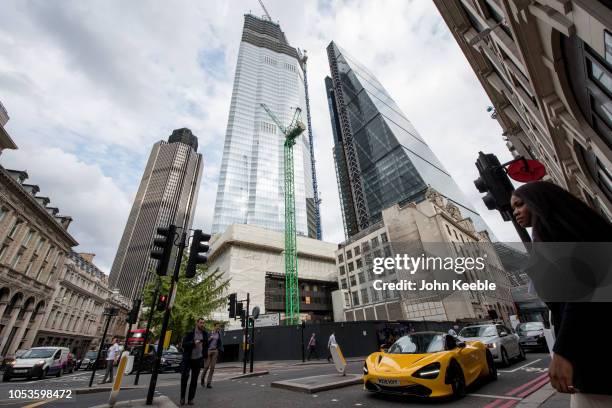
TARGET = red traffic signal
x,y
525,170
162,303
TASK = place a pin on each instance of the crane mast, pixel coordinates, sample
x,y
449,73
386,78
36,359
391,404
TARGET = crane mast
x,y
292,295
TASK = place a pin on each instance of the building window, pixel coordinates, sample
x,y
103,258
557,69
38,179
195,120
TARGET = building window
x,y
387,250
375,242
365,246
340,258
15,228
357,250
374,293
355,296
359,263
473,19
351,267
16,260
364,296
3,251
347,300
608,45
383,238
342,271
353,281
343,283
361,276
349,254
3,212
41,241
28,238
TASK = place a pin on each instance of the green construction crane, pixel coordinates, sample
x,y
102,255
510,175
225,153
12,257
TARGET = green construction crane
x,y
292,295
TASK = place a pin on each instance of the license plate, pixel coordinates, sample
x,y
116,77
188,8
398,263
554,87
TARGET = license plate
x,y
531,343
20,370
388,381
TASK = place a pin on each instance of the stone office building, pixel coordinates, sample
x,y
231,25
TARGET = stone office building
x,y
33,247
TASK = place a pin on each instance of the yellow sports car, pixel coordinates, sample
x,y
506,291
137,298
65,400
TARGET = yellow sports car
x,y
428,364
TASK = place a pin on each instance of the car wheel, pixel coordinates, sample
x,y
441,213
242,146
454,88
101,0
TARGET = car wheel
x,y
59,372
504,358
456,379
6,378
492,376
43,374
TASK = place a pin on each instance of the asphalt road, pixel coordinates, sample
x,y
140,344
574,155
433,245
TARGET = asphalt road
x,y
514,383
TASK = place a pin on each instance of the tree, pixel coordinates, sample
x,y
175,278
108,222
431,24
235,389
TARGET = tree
x,y
196,297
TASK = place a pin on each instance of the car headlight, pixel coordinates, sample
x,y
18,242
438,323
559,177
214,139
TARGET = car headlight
x,y
365,368
163,360
430,371
491,345
13,362
40,362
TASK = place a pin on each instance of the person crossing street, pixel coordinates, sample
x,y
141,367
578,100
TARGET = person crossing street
x,y
193,355
112,354
215,345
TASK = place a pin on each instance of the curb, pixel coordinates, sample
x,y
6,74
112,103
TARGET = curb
x,y
247,375
94,390
161,401
348,360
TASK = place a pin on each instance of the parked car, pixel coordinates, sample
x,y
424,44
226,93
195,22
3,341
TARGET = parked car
x,y
171,360
38,362
501,341
531,336
87,362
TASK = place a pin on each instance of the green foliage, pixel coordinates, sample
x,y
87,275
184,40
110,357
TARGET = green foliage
x,y
196,297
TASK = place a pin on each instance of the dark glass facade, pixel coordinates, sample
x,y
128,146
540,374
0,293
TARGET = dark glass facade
x,y
395,165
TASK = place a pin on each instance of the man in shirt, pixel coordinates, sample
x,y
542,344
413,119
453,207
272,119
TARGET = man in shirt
x,y
112,354
215,345
193,355
312,347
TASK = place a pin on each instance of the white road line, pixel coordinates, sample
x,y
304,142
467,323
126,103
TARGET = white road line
x,y
505,397
518,368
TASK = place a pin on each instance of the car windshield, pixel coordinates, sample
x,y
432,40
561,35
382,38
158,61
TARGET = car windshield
x,y
38,353
91,354
478,331
171,349
525,327
418,343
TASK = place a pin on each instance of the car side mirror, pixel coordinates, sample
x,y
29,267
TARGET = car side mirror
x,y
460,344
384,349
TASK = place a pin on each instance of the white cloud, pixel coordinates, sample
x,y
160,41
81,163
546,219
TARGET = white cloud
x,y
91,88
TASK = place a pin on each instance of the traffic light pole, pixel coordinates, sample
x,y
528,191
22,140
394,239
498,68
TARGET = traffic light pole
x,y
252,349
164,328
246,336
145,340
109,316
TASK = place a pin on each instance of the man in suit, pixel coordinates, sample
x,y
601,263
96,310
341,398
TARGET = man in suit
x,y
194,346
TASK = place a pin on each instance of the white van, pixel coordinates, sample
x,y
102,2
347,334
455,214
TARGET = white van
x,y
38,362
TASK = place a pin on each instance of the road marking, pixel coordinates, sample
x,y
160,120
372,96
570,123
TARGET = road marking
x,y
518,368
40,403
495,396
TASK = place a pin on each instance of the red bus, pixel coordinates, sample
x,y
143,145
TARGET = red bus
x,y
136,337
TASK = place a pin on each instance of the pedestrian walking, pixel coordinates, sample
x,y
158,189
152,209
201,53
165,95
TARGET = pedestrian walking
x,y
193,354
215,345
330,342
112,354
312,347
558,216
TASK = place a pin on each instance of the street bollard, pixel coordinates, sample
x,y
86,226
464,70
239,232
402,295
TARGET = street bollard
x,y
126,364
338,357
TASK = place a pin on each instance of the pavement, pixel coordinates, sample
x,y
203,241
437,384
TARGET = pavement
x,y
524,384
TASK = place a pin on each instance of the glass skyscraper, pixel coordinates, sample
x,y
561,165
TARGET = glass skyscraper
x,y
380,158
251,181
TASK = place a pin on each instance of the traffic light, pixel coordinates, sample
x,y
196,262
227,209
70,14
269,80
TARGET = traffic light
x,y
197,250
231,302
495,183
239,310
133,315
162,248
162,303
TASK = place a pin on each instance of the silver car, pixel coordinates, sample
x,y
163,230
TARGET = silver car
x,y
501,341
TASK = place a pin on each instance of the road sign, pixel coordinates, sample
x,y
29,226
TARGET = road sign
x,y
272,319
338,357
525,171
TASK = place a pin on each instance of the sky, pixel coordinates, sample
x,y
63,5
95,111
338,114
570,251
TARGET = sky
x,y
90,86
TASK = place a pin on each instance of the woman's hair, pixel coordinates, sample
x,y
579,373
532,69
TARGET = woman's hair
x,y
558,216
